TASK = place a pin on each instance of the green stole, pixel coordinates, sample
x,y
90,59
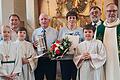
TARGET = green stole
x,y
100,35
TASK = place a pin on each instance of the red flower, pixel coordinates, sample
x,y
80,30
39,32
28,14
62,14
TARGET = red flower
x,y
57,52
57,41
53,46
59,48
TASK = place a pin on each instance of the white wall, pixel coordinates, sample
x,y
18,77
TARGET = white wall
x,y
6,8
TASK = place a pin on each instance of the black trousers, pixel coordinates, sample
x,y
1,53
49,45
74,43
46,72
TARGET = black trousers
x,y
68,70
46,67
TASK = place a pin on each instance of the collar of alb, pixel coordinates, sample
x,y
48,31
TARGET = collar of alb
x,y
113,24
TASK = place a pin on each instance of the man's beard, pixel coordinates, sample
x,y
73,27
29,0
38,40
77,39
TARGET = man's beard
x,y
95,20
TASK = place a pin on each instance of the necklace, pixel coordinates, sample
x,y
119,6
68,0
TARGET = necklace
x,y
7,46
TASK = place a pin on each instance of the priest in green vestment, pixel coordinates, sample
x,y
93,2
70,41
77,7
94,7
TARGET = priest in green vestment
x,y
109,33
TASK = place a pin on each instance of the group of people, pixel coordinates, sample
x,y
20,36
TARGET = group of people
x,y
96,57
16,53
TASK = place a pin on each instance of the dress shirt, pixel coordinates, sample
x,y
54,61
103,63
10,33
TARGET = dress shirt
x,y
97,24
51,35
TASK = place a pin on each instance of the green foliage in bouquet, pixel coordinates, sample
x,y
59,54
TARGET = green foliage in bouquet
x,y
59,48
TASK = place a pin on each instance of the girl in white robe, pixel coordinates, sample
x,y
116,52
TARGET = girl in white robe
x,y
90,57
27,53
10,61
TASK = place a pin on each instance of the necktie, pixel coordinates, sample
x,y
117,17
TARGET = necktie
x,y
44,37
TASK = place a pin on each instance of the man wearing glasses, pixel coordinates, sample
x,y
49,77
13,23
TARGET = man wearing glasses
x,y
110,35
95,17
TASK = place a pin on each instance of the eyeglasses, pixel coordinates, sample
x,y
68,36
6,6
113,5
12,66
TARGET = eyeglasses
x,y
111,11
94,12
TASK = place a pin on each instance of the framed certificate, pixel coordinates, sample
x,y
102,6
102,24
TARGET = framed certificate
x,y
41,48
40,43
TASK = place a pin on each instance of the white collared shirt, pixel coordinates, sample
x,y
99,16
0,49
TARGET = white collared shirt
x,y
97,24
51,35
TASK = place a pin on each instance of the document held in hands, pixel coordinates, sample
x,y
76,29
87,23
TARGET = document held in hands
x,y
74,40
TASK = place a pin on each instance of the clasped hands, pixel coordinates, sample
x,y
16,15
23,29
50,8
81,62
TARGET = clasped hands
x,y
85,56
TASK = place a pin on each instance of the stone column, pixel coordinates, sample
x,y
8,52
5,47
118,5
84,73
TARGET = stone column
x,y
32,12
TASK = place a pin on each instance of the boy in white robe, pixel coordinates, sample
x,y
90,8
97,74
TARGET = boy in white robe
x,y
90,57
10,61
28,53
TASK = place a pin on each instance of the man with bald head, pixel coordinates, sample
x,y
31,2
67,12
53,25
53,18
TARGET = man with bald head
x,y
110,35
45,66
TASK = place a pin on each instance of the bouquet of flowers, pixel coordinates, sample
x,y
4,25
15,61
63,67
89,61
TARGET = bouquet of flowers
x,y
59,48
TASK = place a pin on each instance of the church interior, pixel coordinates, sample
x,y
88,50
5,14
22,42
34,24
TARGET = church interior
x,y
29,11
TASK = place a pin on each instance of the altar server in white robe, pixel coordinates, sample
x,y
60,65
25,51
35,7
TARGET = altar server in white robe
x,y
10,61
90,57
28,53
